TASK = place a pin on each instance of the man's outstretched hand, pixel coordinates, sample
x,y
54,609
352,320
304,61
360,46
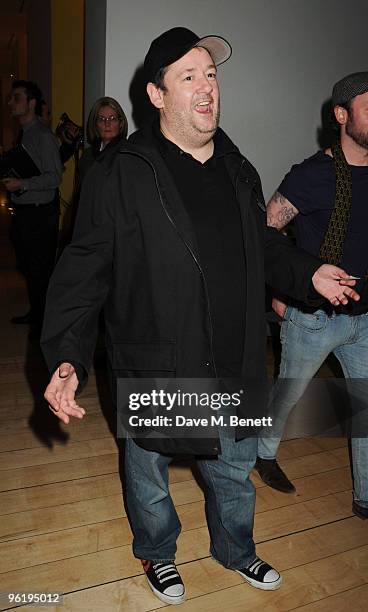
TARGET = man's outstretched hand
x,y
60,393
334,284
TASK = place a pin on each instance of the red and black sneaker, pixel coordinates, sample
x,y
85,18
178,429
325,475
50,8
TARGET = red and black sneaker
x,y
261,575
164,580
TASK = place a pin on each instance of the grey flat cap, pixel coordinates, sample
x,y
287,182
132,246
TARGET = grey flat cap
x,y
350,86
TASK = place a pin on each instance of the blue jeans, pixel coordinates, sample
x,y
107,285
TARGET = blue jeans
x,y
229,501
307,339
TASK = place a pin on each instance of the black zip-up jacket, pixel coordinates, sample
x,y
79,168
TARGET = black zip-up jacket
x,y
134,250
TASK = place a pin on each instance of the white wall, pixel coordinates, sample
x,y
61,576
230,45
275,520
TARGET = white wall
x,y
94,53
286,56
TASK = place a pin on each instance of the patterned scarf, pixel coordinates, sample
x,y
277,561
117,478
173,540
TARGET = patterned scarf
x,y
333,243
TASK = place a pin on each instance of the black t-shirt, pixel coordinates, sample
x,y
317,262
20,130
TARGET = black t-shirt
x,y
209,198
311,187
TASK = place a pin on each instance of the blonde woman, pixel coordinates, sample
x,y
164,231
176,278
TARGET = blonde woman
x,y
107,126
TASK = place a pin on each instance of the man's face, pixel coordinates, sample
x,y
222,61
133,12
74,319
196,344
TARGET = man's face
x,y
357,123
18,103
190,108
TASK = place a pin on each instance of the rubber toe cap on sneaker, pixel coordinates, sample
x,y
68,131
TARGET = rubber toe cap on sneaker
x,y
175,590
271,576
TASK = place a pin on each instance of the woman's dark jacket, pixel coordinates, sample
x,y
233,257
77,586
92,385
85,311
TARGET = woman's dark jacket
x,y
134,250
90,156
94,153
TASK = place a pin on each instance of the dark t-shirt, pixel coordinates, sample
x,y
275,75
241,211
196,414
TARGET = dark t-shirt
x,y
209,198
310,187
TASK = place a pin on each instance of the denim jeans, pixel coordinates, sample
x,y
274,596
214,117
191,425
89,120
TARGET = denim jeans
x,y
229,501
307,339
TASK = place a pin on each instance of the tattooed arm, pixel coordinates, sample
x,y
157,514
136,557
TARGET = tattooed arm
x,y
330,282
280,211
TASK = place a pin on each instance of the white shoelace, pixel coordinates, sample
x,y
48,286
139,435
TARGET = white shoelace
x,y
256,565
161,570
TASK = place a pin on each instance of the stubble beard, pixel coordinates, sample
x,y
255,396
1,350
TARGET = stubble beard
x,y
360,138
191,132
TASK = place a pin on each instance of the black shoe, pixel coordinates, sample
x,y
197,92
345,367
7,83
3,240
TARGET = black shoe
x,y
261,575
273,476
21,320
360,511
165,581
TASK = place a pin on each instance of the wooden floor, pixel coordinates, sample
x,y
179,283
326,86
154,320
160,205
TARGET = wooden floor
x,y
63,527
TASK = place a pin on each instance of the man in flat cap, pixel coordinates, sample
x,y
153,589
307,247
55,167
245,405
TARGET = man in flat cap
x,y
172,239
327,195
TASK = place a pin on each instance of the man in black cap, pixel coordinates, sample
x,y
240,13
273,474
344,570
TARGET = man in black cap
x,y
327,195
172,239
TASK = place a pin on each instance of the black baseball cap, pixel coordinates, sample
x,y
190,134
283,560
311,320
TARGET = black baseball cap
x,y
173,44
350,86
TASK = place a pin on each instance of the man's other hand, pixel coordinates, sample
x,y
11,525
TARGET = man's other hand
x,y
60,393
279,307
334,284
12,184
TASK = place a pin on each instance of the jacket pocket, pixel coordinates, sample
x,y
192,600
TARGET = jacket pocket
x,y
148,357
